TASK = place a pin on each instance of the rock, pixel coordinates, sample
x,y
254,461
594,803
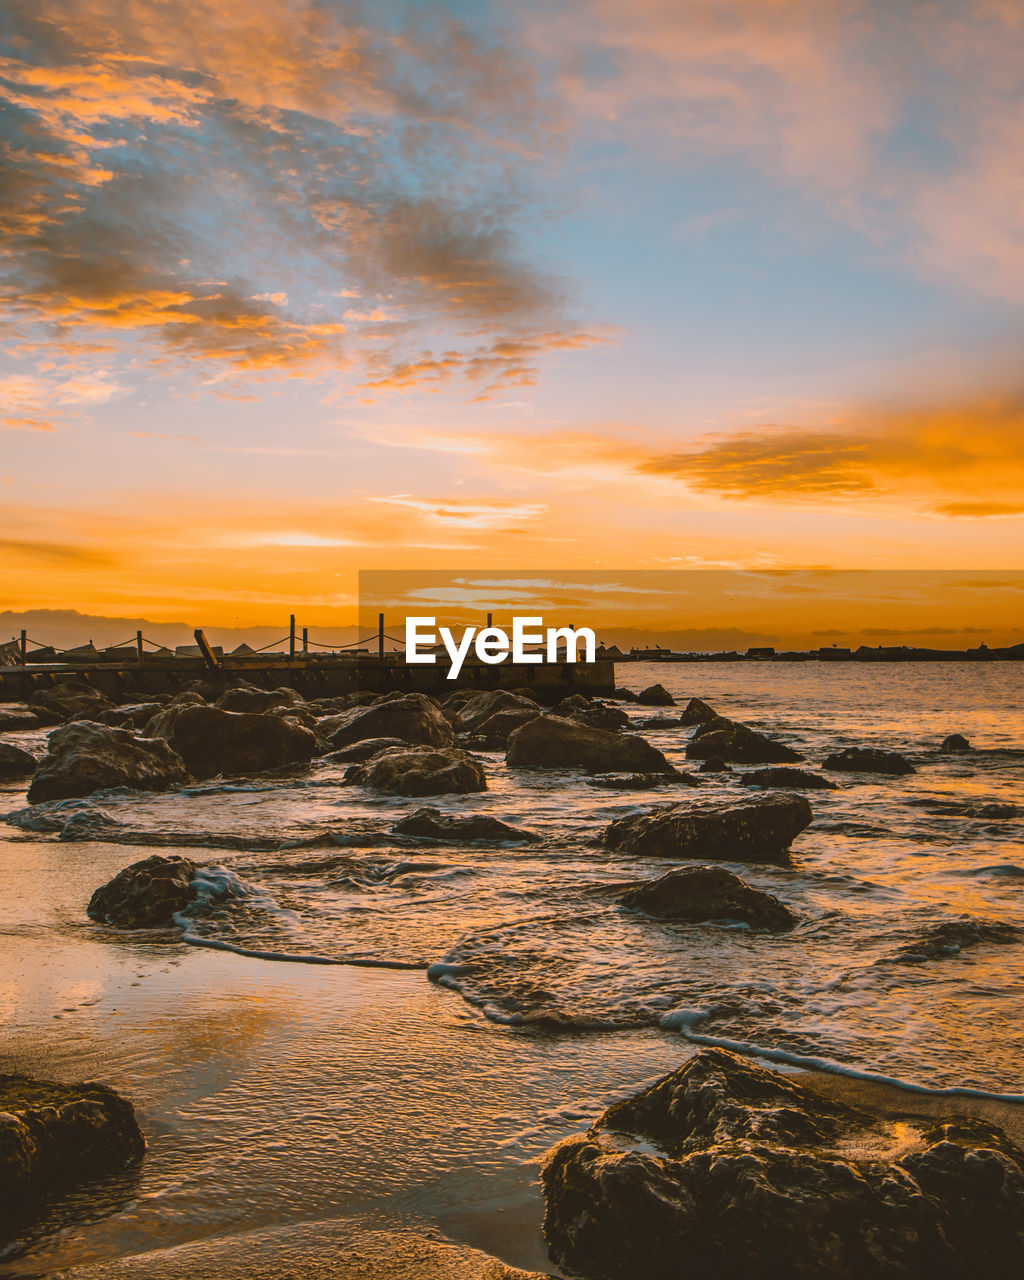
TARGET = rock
x,y
659,722
709,893
625,695
145,895
755,829
642,781
83,757
724,1169
412,717
697,711
714,764
232,743
54,1136
135,715
730,740
342,702
655,696
595,714
360,751
68,701
298,712
420,771
796,779
13,718
953,936
478,708
188,698
495,729
15,763
868,760
432,824
549,742
247,697
955,742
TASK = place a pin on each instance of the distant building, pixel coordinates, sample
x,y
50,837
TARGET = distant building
x,y
763,651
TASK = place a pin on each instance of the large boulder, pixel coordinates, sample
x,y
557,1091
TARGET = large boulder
x,y
791,779
15,763
730,740
420,771
412,717
145,895
474,710
246,697
868,760
68,701
214,742
596,714
494,731
725,1169
432,824
755,829
709,893
655,696
697,711
54,1136
83,757
551,742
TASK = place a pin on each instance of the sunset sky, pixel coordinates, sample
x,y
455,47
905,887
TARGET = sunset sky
x,y
297,289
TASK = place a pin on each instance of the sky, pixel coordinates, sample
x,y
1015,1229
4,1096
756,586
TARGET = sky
x,y
294,290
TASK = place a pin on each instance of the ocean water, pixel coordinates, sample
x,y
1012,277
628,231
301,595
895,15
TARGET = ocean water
x,y
898,965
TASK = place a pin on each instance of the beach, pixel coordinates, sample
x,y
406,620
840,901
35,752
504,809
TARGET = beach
x,y
296,1112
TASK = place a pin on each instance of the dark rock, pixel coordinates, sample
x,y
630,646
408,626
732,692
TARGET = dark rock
x,y
360,751
495,729
953,936
655,696
589,712
233,743
15,763
730,740
549,742
660,722
724,1169
413,717
795,779
55,1136
188,698
145,895
298,712
709,893
68,701
625,695
955,742
697,711
478,708
247,697
83,757
14,718
89,824
642,781
754,829
420,771
868,760
134,715
714,764
432,824
342,702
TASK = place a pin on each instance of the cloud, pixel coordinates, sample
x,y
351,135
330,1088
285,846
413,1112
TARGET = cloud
x,y
211,189
57,552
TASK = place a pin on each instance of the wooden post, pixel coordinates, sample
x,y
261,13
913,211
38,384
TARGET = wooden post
x,y
24,648
489,618
380,637
138,647
291,637
209,657
305,639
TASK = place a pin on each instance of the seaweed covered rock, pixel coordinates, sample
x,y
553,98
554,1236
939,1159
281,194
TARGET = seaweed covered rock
x,y
656,695
551,742
411,717
791,779
755,829
145,895
725,1169
15,763
55,1136
83,757
709,893
213,742
730,740
420,771
432,824
868,760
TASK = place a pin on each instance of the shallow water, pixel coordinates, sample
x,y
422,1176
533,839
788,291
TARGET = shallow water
x,y
529,933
